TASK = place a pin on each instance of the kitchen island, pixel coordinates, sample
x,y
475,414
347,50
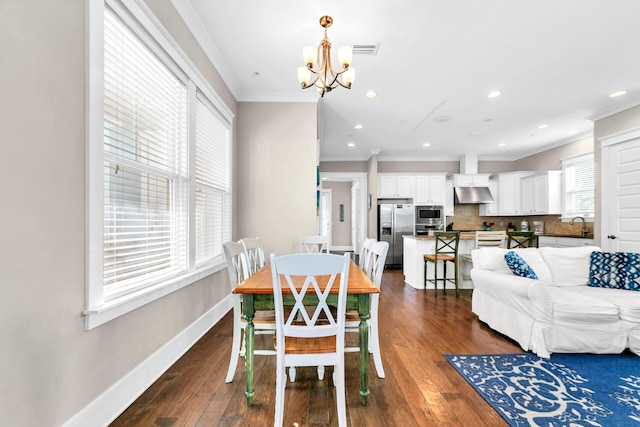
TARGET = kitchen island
x,y
413,261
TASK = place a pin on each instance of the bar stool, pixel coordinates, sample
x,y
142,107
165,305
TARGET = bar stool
x,y
446,250
520,239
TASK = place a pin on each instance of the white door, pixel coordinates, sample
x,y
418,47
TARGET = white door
x,y
325,214
621,197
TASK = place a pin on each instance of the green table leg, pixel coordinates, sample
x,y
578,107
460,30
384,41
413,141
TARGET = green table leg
x,y
249,336
363,312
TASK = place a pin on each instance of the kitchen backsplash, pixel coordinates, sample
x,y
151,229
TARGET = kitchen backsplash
x,y
467,218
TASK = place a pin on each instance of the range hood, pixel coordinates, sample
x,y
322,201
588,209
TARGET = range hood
x,y
472,195
469,186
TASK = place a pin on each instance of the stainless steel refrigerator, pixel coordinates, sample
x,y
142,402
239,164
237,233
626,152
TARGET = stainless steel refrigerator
x,y
394,221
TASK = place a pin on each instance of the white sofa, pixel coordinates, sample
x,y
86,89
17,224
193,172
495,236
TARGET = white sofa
x,y
559,312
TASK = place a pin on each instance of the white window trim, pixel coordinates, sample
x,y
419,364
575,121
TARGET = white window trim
x,y
567,162
97,311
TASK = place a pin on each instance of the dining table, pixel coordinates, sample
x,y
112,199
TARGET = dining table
x,y
257,294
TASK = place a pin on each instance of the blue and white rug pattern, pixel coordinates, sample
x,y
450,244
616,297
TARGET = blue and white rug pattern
x,y
567,390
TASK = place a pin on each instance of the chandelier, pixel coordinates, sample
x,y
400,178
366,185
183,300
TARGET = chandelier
x,y
326,78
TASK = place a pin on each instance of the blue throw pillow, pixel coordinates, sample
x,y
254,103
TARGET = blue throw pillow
x,y
616,270
518,266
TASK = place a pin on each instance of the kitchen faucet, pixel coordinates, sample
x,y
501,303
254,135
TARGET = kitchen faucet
x,y
584,227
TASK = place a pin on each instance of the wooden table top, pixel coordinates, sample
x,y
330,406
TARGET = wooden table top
x,y
261,283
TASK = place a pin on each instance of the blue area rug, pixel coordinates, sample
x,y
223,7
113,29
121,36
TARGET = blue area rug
x,y
567,390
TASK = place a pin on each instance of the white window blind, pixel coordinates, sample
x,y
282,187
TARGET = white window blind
x,y
212,199
579,181
145,163
158,172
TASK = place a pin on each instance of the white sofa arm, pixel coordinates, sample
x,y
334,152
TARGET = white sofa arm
x,y
527,295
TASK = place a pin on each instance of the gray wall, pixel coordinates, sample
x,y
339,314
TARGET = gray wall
x,y
51,366
340,195
276,176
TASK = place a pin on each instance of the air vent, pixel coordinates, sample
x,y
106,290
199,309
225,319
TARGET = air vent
x,y
365,49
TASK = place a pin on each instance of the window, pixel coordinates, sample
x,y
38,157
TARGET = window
x,y
158,168
578,184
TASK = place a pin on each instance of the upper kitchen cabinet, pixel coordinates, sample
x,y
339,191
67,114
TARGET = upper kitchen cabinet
x,y
541,193
491,209
509,192
474,180
430,189
396,186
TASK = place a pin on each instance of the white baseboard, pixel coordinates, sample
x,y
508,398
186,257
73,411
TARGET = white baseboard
x,y
113,401
342,248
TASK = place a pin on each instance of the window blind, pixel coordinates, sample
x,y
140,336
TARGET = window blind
x,y
145,163
579,185
212,199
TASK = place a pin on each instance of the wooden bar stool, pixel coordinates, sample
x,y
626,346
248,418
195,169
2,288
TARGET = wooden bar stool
x,y
446,250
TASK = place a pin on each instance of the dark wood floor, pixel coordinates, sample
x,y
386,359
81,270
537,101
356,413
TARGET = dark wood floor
x,y
420,389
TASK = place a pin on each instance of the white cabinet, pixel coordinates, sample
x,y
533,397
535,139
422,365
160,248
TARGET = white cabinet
x,y
491,209
430,189
509,190
563,242
449,209
541,194
478,180
394,186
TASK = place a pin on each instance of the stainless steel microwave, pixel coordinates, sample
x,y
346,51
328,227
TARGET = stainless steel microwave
x,y
430,215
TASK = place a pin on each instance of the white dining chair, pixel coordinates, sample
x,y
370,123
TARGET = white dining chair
x,y
310,337
364,253
254,253
264,321
314,244
377,258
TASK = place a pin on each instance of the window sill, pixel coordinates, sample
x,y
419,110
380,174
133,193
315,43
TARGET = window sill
x,y
117,307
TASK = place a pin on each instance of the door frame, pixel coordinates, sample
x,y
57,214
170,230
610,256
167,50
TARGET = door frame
x,y
361,177
607,178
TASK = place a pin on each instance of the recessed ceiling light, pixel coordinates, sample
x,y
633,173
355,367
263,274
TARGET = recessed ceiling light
x,y
371,94
543,126
494,94
502,144
572,132
358,127
426,145
351,145
618,93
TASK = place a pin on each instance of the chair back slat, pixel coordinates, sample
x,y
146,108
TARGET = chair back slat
x,y
254,254
236,263
520,239
377,259
364,253
447,242
490,239
314,244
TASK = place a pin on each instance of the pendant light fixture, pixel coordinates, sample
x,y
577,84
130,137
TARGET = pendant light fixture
x,y
318,63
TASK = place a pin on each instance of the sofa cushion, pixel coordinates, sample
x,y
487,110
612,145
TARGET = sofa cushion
x,y
568,266
628,302
493,259
519,266
618,270
570,304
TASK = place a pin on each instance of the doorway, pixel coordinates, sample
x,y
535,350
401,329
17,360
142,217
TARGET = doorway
x,y
355,207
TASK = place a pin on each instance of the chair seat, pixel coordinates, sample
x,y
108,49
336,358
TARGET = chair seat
x,y
434,257
308,345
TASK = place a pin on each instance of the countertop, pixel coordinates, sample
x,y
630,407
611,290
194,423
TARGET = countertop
x,y
470,235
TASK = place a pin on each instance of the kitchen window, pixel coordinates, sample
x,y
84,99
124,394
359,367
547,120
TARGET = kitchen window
x,y
158,164
578,187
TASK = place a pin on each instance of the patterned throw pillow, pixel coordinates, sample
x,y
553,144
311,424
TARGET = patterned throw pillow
x,y
518,266
617,270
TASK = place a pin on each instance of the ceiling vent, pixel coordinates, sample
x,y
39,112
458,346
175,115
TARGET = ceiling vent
x,y
365,49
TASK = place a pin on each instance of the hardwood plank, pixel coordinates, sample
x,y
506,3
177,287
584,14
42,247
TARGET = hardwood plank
x,y
420,389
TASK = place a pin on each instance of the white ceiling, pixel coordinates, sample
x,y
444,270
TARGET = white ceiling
x,y
554,61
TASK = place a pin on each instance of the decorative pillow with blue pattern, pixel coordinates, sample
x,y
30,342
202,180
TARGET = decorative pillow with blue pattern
x,y
616,270
519,266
